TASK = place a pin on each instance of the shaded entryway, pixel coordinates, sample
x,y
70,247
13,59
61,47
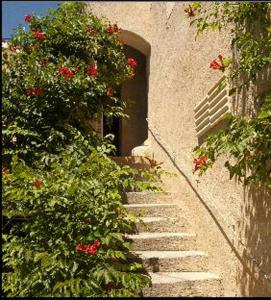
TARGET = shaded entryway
x,y
133,131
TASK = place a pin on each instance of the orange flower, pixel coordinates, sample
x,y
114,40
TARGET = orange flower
x,y
65,72
91,249
37,182
5,170
80,247
218,65
132,62
39,35
28,18
199,162
92,70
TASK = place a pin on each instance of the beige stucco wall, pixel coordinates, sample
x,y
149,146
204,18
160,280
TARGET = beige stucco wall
x,y
232,224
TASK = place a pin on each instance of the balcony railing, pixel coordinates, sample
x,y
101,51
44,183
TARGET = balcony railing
x,y
213,108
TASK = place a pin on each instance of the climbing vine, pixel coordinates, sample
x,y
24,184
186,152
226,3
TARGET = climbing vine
x,y
246,139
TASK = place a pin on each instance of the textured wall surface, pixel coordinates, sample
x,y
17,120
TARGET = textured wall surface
x,y
232,224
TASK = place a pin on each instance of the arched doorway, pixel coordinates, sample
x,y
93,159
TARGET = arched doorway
x,y
133,131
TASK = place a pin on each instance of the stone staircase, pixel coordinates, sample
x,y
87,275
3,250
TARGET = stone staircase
x,y
168,250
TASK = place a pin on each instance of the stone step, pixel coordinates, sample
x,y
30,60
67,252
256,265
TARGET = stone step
x,y
160,224
162,241
180,284
173,261
148,197
152,210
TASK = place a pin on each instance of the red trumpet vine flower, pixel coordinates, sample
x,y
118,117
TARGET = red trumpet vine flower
x,y
199,162
132,62
27,18
92,70
91,249
65,72
218,65
39,35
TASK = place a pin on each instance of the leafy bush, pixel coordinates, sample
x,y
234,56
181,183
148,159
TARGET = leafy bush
x,y
65,70
62,193
76,201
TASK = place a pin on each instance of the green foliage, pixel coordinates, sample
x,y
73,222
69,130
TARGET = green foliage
x,y
249,23
78,202
66,100
246,140
61,191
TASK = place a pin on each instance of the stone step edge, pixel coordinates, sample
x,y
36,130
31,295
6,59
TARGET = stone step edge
x,y
159,193
175,277
155,235
147,254
150,205
151,220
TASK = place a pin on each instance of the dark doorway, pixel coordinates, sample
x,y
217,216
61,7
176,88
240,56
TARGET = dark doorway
x,y
133,131
113,126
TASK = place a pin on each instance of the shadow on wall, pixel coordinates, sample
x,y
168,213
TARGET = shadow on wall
x,y
255,231
255,225
244,102
254,278
254,236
